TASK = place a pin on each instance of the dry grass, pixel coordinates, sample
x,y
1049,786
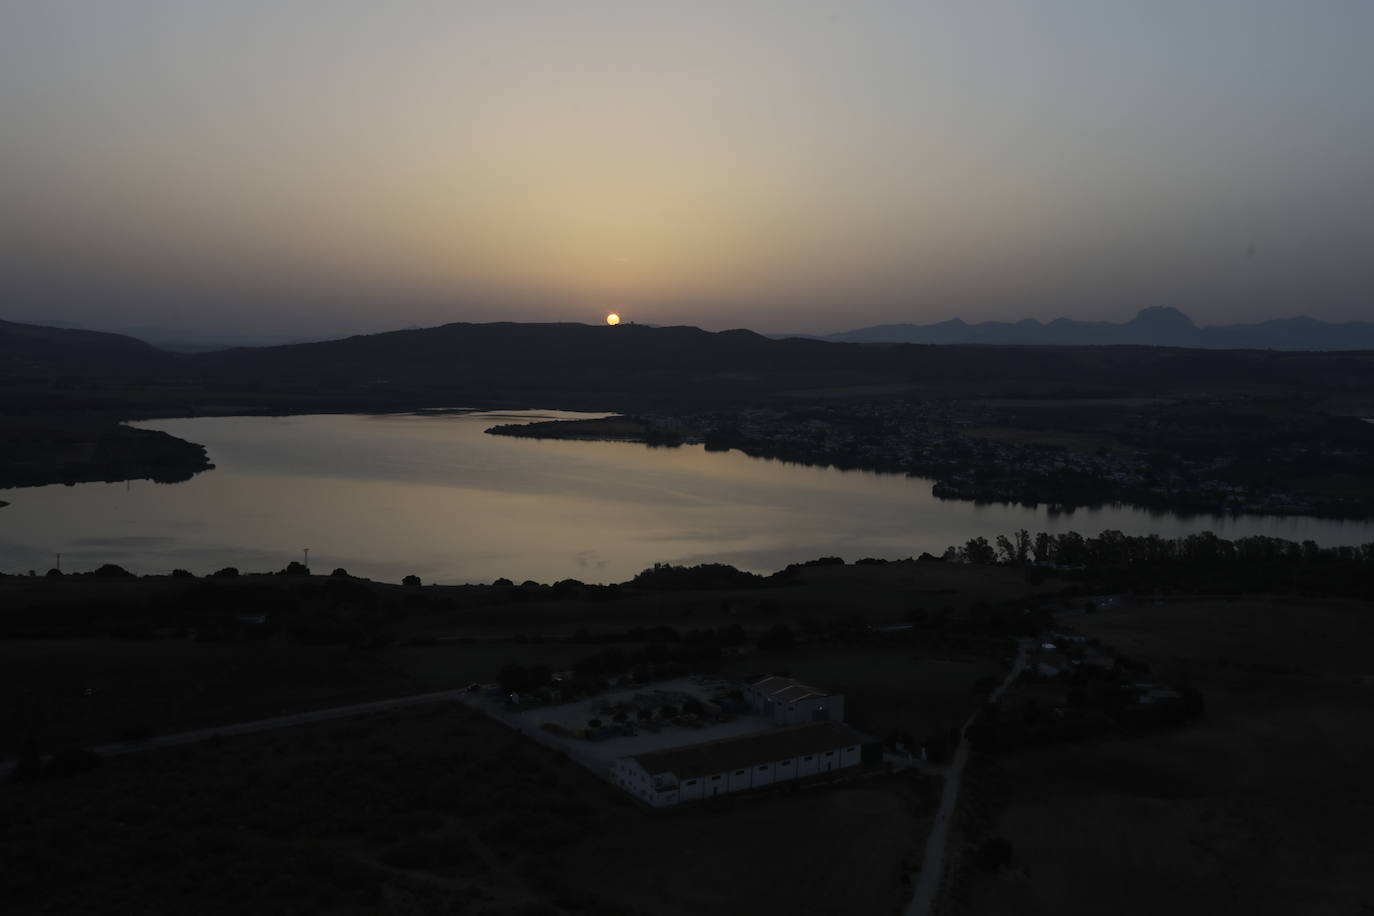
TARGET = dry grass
x,y
175,685
433,810
1261,806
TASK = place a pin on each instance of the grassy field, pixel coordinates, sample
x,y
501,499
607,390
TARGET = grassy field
x,y
1263,805
91,691
886,689
435,810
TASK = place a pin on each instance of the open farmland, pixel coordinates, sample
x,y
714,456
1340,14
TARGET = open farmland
x,y
1262,805
95,691
434,810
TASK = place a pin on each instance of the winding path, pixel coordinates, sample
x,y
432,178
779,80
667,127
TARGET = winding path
x,y
933,864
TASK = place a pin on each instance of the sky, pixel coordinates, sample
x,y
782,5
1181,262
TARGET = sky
x,y
312,169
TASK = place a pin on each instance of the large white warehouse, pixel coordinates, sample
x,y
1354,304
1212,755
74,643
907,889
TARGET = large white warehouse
x,y
676,775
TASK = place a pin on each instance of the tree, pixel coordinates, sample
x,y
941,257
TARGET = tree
x,y
593,723
228,572
978,550
515,678
778,639
295,568
29,768
72,762
110,570
995,853
411,581
1023,546
340,573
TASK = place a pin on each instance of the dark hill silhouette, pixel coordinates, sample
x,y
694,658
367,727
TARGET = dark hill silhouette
x,y
38,352
631,363
507,355
1158,326
631,366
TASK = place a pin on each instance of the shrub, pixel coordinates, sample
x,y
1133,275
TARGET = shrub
x,y
778,639
72,762
994,853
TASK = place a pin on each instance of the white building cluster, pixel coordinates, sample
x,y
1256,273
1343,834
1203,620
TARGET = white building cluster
x,y
810,739
682,774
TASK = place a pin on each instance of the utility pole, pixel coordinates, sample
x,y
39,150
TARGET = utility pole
x,y
307,556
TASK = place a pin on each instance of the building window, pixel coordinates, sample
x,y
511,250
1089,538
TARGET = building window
x,y
739,772
785,763
762,768
853,749
830,753
691,782
715,778
811,757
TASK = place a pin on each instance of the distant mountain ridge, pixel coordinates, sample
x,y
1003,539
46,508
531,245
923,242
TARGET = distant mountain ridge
x,y
1157,326
630,367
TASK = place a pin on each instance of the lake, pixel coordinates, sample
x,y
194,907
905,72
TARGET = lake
x,y
433,495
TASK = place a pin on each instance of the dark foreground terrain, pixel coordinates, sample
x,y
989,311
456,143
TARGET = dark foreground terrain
x,y
1263,805
1245,790
435,810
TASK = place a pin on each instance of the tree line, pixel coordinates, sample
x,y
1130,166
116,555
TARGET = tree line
x,y
1200,561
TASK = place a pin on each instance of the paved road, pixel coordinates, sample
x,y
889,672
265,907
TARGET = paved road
x,y
933,865
262,725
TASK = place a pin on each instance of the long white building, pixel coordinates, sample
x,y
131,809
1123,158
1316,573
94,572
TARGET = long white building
x,y
790,702
682,774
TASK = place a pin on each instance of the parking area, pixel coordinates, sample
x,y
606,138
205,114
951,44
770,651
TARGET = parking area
x,y
651,734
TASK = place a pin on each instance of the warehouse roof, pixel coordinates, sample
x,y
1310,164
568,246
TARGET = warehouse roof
x,y
728,754
786,689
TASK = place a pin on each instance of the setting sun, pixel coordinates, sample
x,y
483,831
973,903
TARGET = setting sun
x,y
613,319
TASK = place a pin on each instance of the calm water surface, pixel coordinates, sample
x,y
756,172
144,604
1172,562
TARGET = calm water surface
x,y
433,495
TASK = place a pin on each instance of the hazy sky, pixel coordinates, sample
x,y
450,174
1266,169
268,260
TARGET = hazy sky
x,y
294,167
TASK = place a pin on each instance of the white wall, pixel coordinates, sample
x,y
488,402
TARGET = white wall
x,y
631,777
763,775
691,789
